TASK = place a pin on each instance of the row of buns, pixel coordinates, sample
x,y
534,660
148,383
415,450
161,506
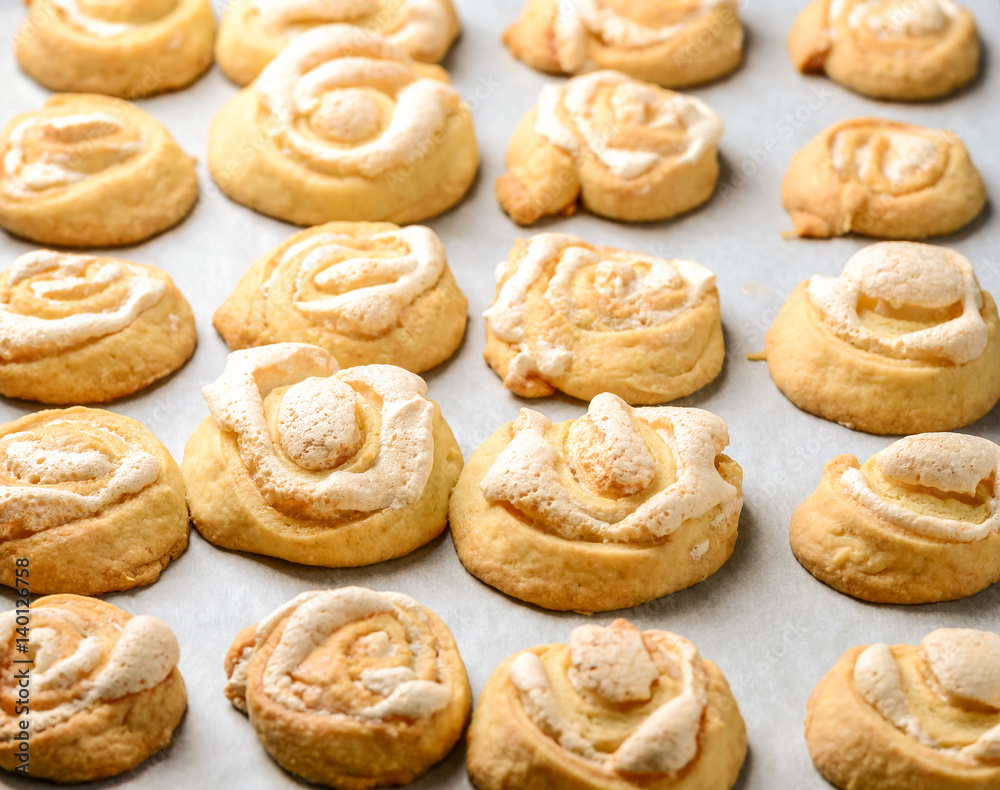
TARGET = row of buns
x,y
903,341
344,125
917,50
303,460
360,689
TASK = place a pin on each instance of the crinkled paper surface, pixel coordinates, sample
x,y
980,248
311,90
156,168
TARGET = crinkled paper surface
x,y
772,628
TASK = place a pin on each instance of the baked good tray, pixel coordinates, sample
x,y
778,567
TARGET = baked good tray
x,y
765,621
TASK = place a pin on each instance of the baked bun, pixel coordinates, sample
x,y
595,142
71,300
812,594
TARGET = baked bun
x,y
344,125
89,329
91,499
105,693
904,341
92,171
368,292
616,708
351,688
625,149
884,179
613,509
313,464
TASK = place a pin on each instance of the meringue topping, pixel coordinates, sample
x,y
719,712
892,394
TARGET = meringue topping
x,y
66,470
57,280
416,689
51,151
311,94
948,464
614,666
915,281
70,662
526,475
315,427
961,662
567,117
361,285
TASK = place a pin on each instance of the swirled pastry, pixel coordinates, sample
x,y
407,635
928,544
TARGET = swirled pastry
x,y
127,48
616,708
104,689
898,717
253,32
884,179
92,499
904,341
607,511
344,125
313,464
351,688
890,49
674,43
627,150
588,319
84,328
918,522
92,171
369,293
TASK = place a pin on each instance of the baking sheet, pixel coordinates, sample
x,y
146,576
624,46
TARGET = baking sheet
x,y
771,627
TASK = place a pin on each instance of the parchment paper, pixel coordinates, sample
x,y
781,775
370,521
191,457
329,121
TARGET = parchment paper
x,y
769,625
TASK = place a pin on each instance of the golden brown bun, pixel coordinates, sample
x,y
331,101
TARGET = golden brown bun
x,y
883,179
588,319
625,149
110,328
125,178
908,51
329,467
254,33
92,499
674,44
129,48
609,688
868,531
392,141
905,358
854,745
521,512
387,691
110,698
404,308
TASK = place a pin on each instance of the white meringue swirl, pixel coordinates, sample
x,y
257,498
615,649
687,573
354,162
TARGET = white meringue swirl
x,y
567,118
56,281
414,688
68,469
67,144
949,463
340,286
619,665
900,276
964,666
346,103
609,457
309,467
71,662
